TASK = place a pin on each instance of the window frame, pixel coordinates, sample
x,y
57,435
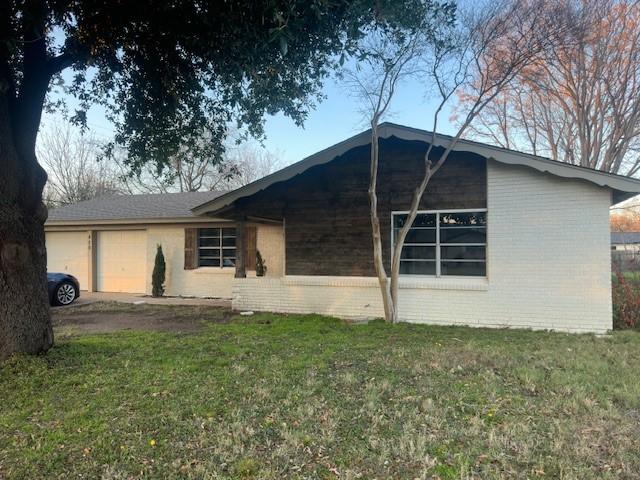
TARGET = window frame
x,y
437,245
220,247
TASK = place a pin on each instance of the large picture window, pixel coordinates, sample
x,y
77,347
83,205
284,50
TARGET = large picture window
x,y
216,247
444,243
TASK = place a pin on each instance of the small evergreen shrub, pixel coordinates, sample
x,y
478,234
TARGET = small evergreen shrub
x,y
158,277
261,267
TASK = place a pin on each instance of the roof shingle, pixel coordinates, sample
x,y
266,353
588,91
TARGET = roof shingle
x,y
131,207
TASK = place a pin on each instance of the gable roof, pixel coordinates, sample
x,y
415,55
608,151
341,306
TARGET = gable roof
x,y
623,187
132,208
620,238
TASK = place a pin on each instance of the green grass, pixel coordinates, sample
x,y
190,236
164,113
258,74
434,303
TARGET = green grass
x,y
274,397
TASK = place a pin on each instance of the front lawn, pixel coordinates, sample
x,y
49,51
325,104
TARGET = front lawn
x,y
274,397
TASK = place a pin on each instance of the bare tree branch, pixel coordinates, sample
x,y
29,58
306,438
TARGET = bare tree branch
x,y
190,172
482,54
71,161
581,99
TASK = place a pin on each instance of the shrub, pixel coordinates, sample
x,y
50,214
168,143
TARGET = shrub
x,y
626,302
158,277
261,267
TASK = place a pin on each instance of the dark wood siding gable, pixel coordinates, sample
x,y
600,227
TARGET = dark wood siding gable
x,y
326,208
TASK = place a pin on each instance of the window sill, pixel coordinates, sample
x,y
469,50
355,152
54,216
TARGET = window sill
x,y
215,270
406,282
444,283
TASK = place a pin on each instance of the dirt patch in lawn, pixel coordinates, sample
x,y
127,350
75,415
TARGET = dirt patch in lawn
x,y
108,317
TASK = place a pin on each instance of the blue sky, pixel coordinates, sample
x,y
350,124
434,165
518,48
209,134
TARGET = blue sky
x,y
338,118
335,119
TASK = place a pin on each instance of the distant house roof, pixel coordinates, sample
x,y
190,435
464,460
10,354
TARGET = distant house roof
x,y
625,238
160,207
622,187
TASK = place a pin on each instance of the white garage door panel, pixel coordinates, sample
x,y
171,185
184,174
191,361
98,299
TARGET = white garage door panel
x,y
122,259
68,252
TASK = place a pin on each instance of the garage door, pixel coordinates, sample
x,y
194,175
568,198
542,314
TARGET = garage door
x,y
68,252
121,261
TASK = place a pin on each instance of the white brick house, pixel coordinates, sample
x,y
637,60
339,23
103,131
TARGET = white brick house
x,y
504,239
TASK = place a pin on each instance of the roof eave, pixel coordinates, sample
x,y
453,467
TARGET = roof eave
x,y
323,156
623,187
131,221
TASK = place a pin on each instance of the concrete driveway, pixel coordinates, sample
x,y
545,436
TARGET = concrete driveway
x,y
93,297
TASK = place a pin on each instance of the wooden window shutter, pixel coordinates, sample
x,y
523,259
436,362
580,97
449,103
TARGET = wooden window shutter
x,y
190,248
252,240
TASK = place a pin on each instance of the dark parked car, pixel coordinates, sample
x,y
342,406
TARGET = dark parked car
x,y
63,288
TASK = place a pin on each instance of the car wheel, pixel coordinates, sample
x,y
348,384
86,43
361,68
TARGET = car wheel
x,y
65,294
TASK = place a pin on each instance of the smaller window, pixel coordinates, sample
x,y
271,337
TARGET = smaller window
x,y
216,247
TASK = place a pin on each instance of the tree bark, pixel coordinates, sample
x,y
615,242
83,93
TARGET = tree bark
x,y
390,312
25,323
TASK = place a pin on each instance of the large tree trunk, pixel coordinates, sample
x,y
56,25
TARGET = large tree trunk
x,y
25,323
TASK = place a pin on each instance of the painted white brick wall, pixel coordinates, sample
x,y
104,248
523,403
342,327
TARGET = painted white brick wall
x,y
548,267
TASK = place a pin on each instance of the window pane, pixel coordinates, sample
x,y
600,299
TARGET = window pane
x,y
463,235
209,232
209,262
421,220
425,220
474,269
209,251
229,242
464,219
462,238
419,253
228,232
417,268
229,252
463,253
209,242
398,221
427,235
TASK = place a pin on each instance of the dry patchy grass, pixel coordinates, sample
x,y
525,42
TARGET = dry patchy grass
x,y
110,317
274,397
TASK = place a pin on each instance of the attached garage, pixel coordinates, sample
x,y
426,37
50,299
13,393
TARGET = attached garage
x,y
109,243
121,261
68,252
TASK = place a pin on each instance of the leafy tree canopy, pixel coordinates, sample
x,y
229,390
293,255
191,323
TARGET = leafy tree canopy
x,y
170,71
